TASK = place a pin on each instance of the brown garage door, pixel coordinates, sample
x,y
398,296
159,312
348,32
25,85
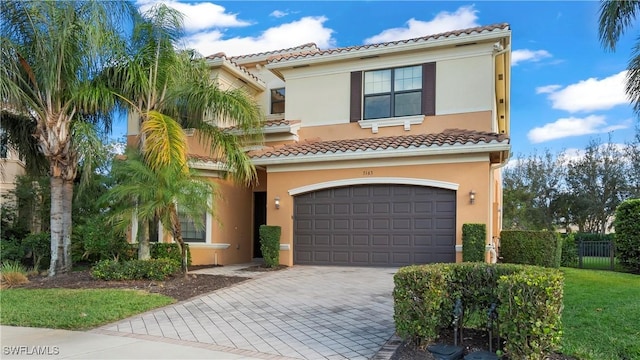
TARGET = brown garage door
x,y
375,225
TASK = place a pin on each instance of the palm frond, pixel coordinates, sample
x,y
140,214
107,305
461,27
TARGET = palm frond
x,y
614,19
164,142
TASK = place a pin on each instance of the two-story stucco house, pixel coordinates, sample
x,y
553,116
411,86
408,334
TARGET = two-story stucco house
x,y
374,155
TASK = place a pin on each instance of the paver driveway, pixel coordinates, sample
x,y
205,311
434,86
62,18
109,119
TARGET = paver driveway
x,y
304,312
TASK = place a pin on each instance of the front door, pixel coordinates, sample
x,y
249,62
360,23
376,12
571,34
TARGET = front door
x,y
259,218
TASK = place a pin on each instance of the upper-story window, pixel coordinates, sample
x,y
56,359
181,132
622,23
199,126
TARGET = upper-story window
x,y
393,92
4,145
277,101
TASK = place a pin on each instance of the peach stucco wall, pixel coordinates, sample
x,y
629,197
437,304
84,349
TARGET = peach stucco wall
x,y
232,224
469,176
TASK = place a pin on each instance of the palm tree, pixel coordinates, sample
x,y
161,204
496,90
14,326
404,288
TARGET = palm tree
x,y
154,185
157,80
615,19
51,53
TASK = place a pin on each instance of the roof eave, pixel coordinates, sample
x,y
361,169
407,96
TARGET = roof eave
x,y
496,34
387,153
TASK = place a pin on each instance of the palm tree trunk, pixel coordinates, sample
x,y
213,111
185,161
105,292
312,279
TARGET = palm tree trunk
x,y
67,223
176,227
57,232
143,242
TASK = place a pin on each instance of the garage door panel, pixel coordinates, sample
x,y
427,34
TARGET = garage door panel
x,y
341,209
375,225
381,224
360,240
361,208
399,240
381,208
423,223
360,224
401,224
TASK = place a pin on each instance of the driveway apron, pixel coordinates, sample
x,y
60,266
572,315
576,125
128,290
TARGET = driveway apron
x,y
303,312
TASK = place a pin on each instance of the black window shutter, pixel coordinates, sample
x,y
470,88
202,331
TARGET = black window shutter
x,y
428,88
356,96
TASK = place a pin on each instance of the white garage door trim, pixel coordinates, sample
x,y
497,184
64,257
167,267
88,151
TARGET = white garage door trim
x,y
373,181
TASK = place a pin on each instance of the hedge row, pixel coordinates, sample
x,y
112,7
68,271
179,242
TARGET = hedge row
x,y
152,269
540,248
528,298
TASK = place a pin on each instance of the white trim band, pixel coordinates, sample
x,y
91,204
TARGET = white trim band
x,y
373,180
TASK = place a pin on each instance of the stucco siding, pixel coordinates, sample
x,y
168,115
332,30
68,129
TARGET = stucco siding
x,y
464,85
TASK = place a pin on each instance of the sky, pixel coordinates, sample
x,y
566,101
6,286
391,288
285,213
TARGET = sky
x,y
566,89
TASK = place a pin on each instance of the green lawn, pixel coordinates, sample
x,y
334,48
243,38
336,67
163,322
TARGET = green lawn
x,y
601,316
73,308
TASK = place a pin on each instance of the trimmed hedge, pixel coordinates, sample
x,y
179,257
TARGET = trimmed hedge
x,y
627,237
540,248
270,244
152,269
569,257
473,242
168,251
528,298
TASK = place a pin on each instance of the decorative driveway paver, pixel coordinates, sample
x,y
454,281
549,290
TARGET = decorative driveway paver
x,y
304,312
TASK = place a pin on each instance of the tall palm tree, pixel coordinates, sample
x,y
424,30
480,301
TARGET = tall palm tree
x,y
154,185
158,80
51,53
616,17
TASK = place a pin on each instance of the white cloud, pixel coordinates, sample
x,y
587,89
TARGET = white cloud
x,y
299,32
528,55
589,95
463,18
547,89
199,16
572,126
278,13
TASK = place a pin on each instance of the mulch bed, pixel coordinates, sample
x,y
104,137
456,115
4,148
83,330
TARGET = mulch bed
x,y
178,287
473,340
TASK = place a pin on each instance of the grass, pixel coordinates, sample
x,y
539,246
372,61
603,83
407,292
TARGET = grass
x,y
73,309
601,316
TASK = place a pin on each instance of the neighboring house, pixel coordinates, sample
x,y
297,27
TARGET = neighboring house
x,y
11,166
374,155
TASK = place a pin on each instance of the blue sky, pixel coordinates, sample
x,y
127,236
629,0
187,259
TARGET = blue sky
x,y
565,88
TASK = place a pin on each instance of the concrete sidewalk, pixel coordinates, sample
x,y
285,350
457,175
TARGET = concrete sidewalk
x,y
37,343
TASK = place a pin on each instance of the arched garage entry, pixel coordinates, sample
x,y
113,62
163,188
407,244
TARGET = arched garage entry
x,y
375,225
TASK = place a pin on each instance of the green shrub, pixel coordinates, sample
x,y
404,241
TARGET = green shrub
x,y
627,237
11,249
100,242
569,256
473,242
13,273
152,269
38,247
541,248
424,296
530,312
270,244
169,251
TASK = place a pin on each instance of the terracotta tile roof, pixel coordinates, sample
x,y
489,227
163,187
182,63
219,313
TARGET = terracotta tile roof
x,y
223,57
447,137
272,123
308,47
450,34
